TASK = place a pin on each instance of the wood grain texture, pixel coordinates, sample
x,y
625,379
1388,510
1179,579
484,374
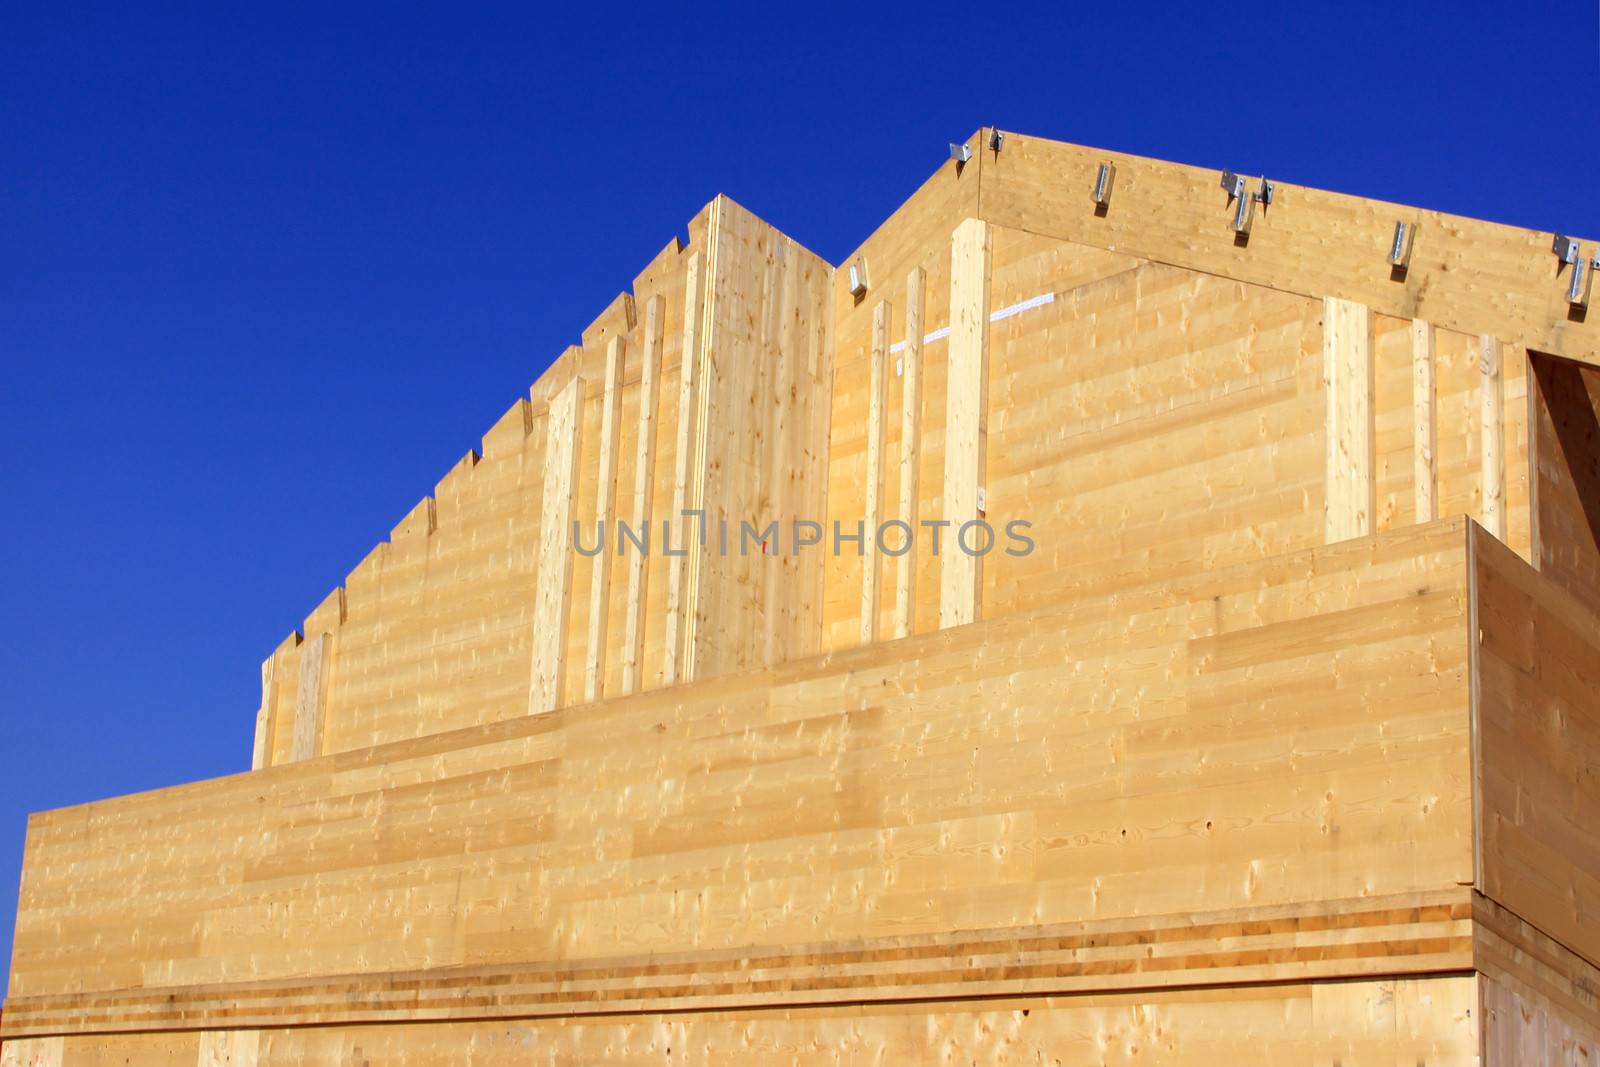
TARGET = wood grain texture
x,y
1348,384
764,398
266,715
562,449
229,1048
1491,363
1429,1020
1538,670
905,584
1183,785
1566,468
1424,421
311,696
966,426
872,511
1019,773
1466,275
686,475
641,514
1538,997
605,525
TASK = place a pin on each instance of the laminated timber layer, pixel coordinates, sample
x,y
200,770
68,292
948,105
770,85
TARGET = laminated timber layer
x,y
1277,748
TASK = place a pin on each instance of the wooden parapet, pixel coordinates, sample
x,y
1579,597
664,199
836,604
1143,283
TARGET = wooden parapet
x,y
1028,838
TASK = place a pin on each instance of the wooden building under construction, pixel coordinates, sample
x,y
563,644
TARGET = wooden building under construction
x,y
1274,739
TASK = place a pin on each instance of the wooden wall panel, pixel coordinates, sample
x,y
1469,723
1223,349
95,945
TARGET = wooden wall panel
x,y
916,236
763,401
1428,1021
434,629
1538,670
1147,421
1041,769
1538,997
1566,443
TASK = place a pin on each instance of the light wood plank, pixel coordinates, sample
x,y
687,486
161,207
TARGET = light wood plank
x,y
1424,421
905,595
683,463
594,655
966,420
267,715
552,607
643,490
311,698
872,561
1492,421
1348,382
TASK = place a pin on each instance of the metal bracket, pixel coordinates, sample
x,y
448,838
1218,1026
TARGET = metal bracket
x,y
1244,203
1580,283
1405,234
1103,182
996,140
960,153
858,276
1581,276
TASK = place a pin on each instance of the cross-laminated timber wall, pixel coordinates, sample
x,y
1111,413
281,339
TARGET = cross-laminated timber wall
x,y
1198,784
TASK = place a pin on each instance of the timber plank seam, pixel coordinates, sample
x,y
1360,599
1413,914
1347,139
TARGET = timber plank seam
x,y
1262,733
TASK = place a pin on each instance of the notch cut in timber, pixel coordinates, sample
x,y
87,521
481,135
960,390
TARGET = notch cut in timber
x,y
594,652
966,419
1347,381
905,592
553,597
871,562
643,488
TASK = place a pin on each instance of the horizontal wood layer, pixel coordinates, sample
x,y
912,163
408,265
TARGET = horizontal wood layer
x,y
1541,1000
1148,421
1257,737
1411,935
1423,1020
1465,274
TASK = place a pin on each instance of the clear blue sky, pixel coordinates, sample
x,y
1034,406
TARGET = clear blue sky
x,y
264,276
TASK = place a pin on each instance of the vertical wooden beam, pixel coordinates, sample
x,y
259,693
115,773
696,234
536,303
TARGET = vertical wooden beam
x,y
1493,423
594,652
643,489
905,585
267,714
871,562
562,452
688,408
1424,421
311,699
1347,379
966,442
